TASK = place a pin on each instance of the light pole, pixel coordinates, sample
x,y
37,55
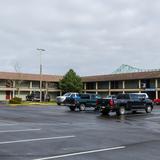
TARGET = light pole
x,y
40,53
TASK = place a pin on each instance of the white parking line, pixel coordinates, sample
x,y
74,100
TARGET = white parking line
x,y
61,124
24,130
7,124
5,121
39,139
81,153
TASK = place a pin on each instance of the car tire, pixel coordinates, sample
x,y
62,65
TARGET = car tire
x,y
82,107
148,109
72,108
121,111
59,104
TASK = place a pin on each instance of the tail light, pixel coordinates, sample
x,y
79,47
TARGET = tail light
x,y
97,102
111,102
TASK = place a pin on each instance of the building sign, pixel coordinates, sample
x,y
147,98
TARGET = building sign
x,y
150,89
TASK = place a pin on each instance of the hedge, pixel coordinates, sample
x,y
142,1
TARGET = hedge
x,y
15,100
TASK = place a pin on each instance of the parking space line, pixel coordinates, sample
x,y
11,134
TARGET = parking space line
x,y
7,124
24,130
60,124
81,153
38,139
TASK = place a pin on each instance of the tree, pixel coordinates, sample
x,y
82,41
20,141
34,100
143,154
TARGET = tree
x,y
10,82
19,81
71,82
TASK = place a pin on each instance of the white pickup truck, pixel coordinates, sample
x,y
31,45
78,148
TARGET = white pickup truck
x,y
60,99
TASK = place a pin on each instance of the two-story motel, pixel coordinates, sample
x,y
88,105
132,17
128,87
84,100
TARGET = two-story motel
x,y
148,82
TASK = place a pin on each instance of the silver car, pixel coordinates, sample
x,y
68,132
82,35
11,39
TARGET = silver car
x,y
60,99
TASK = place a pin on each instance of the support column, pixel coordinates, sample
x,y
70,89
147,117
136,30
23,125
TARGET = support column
x,y
96,87
156,87
123,85
14,85
85,87
109,87
30,86
139,86
46,88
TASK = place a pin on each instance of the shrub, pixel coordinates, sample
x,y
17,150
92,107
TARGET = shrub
x,y
15,100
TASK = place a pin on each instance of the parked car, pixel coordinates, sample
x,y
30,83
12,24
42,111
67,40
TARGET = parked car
x,y
156,101
125,102
111,97
82,101
60,99
35,96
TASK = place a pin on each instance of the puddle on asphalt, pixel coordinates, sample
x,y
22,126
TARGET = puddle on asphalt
x,y
113,117
127,118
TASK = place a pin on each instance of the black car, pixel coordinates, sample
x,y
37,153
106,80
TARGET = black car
x,y
125,102
35,96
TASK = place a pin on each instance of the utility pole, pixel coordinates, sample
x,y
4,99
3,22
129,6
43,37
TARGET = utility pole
x,y
40,52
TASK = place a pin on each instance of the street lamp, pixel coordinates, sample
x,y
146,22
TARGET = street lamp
x,y
40,53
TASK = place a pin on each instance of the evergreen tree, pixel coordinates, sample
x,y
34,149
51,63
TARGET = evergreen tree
x,y
71,82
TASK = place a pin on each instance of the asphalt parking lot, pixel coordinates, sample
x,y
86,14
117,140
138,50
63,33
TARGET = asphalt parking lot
x,y
44,133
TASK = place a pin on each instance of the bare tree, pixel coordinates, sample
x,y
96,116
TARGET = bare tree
x,y
19,80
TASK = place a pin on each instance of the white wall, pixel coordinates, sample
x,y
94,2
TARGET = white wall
x,y
23,95
2,95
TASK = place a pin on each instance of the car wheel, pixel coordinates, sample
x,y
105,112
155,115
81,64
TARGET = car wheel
x,y
82,107
59,104
72,108
148,109
121,111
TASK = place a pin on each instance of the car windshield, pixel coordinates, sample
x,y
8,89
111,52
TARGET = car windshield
x,y
98,97
111,96
67,94
108,97
123,96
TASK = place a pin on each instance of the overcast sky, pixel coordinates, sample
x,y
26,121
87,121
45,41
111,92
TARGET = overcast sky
x,y
90,36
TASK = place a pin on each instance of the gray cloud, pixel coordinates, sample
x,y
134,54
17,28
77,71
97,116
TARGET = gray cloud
x,y
91,36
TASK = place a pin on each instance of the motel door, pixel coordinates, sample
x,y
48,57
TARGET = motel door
x,y
8,95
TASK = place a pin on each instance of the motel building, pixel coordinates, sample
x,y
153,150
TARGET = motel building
x,y
12,83
135,82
